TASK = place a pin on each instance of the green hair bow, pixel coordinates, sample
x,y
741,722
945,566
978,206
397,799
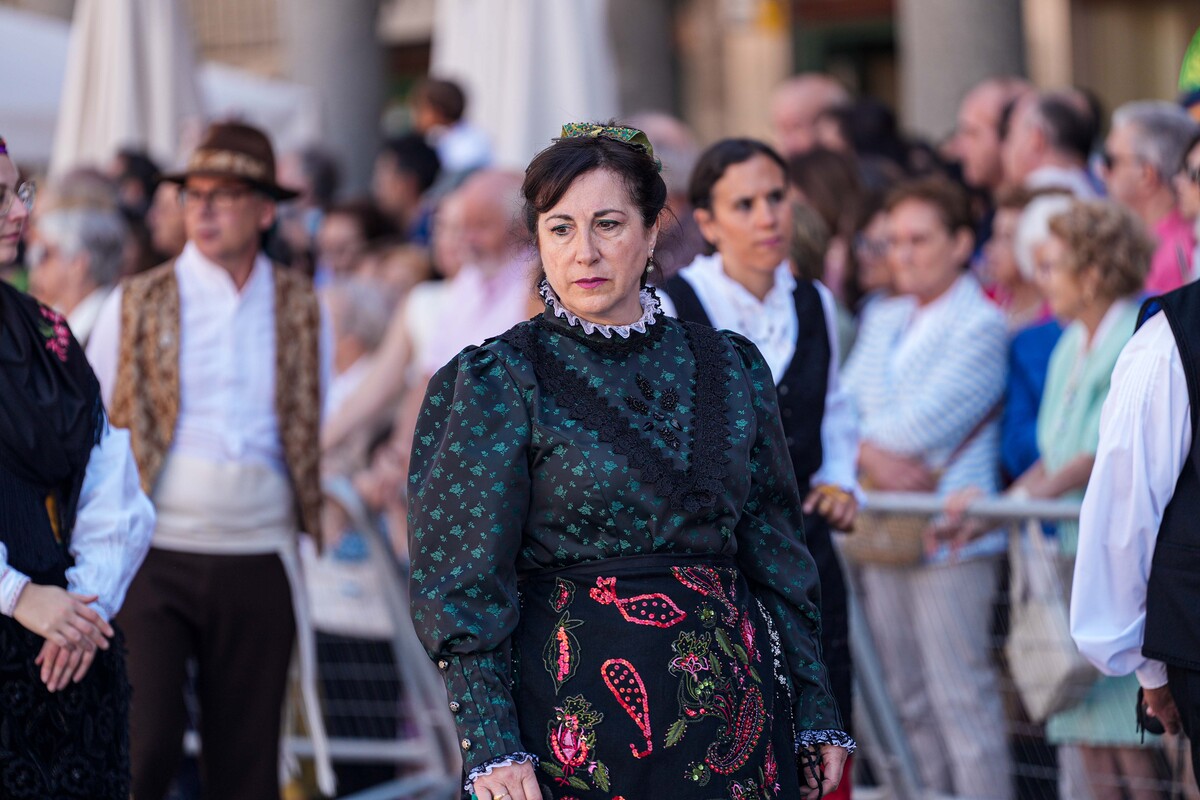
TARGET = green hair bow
x,y
630,136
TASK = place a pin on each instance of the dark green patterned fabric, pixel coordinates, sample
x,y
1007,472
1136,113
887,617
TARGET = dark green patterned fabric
x,y
548,447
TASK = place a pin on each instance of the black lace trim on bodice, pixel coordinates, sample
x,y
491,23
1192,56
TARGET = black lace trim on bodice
x,y
703,482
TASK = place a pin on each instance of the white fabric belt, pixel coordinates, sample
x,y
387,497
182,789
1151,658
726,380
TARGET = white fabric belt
x,y
223,507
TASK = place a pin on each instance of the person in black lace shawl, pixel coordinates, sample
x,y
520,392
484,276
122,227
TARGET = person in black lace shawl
x,y
74,526
608,559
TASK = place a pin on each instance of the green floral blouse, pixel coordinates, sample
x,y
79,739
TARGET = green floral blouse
x,y
553,445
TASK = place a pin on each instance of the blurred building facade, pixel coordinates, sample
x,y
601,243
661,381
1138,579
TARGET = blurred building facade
x,y
715,62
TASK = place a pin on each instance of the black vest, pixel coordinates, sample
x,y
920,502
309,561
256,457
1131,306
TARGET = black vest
x,y
27,534
802,389
1172,630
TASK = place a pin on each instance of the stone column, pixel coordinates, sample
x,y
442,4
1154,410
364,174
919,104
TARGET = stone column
x,y
333,47
63,9
945,48
641,37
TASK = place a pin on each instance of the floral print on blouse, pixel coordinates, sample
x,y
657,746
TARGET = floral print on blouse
x,y
549,446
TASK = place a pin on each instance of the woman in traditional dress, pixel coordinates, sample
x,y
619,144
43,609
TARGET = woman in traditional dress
x,y
608,560
74,527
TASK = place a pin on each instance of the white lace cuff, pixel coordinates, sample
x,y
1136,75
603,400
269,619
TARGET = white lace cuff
x,y
503,761
835,738
12,583
651,308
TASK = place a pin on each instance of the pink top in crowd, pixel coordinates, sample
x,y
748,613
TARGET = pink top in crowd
x,y
1171,266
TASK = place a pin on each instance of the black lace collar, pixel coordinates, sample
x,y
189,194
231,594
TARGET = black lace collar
x,y
702,482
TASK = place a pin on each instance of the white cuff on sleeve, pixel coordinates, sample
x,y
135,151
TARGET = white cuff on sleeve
x,y
11,583
1152,675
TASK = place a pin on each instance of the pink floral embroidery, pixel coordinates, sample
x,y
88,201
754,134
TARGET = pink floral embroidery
x,y
56,333
645,609
691,664
771,771
626,685
572,740
747,631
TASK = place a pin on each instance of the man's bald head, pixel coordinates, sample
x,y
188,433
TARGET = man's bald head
x,y
490,202
795,106
978,138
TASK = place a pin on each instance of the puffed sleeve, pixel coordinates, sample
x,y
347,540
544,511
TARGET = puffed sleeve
x,y
776,562
113,527
469,493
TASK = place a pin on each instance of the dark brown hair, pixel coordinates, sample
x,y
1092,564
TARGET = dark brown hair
x,y
552,171
946,197
444,97
830,184
713,162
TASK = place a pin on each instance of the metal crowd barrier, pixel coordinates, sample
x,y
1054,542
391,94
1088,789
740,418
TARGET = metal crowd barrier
x,y
887,765
423,756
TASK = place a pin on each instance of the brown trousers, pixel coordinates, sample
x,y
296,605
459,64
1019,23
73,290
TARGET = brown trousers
x,y
233,614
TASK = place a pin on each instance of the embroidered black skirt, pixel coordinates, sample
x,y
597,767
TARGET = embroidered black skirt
x,y
68,744
650,677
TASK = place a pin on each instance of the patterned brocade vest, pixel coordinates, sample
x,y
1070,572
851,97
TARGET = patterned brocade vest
x,y
146,397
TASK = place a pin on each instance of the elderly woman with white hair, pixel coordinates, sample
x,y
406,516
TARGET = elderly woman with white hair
x,y
75,261
1018,232
1091,267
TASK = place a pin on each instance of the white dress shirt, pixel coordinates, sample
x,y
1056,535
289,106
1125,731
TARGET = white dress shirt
x,y
772,325
1075,180
113,525
461,147
1145,438
226,361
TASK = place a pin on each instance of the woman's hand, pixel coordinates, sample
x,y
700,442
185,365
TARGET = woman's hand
x,y
833,761
954,527
61,666
836,505
513,782
891,472
62,617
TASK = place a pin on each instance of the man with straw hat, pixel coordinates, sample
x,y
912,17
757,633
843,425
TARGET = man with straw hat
x,y
215,362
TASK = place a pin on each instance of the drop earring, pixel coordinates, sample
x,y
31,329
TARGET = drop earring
x,y
650,262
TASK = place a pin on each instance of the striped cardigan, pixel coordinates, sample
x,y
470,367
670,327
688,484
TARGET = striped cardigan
x,y
921,390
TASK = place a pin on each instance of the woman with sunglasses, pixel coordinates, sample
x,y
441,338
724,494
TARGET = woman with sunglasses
x,y
74,527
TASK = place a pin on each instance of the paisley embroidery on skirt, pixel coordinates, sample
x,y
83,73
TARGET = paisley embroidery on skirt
x,y
562,595
645,609
626,685
561,654
572,741
707,581
720,682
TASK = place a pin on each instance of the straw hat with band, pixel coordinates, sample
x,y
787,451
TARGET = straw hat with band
x,y
235,150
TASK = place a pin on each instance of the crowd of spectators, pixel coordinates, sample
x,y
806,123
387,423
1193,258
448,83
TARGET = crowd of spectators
x,y
984,286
